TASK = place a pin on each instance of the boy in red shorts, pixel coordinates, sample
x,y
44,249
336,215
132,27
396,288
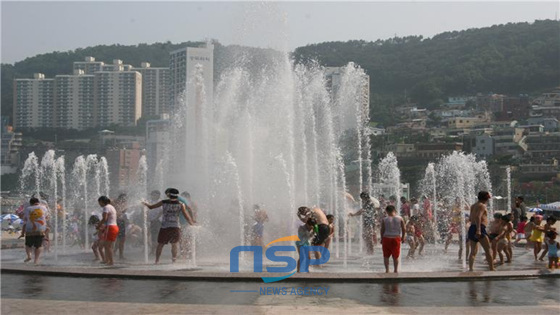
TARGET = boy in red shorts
x,y
392,233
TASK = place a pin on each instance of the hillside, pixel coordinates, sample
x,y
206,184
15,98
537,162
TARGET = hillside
x,y
510,59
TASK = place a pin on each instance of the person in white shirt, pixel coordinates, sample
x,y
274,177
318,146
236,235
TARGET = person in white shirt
x,y
393,234
111,229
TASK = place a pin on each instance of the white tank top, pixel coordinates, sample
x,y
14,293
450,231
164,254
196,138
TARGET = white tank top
x,y
111,215
392,226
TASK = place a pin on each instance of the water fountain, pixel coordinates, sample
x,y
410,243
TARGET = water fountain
x,y
277,126
459,178
390,178
508,183
90,178
142,189
43,177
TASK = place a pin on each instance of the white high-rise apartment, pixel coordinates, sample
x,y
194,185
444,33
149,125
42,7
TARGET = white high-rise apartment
x,y
158,149
74,95
333,76
34,102
155,89
185,65
89,65
118,98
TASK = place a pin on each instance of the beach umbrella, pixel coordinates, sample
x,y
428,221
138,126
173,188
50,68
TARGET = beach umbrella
x,y
12,217
535,210
555,206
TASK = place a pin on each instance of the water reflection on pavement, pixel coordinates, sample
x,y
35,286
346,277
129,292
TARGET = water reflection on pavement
x,y
432,294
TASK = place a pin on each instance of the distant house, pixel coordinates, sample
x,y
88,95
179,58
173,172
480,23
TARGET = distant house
x,y
375,131
548,123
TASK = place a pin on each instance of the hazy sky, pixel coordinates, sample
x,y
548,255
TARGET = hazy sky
x,y
30,28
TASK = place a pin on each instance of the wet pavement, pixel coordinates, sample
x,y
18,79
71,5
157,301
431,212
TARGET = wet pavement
x,y
433,284
20,293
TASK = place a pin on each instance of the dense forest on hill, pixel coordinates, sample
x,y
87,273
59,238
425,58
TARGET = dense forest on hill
x,y
511,59
516,58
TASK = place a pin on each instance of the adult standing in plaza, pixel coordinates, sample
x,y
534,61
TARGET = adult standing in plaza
x,y
111,230
35,218
477,230
368,212
392,235
520,210
170,231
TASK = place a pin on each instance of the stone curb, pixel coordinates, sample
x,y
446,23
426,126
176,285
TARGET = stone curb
x,y
12,246
256,277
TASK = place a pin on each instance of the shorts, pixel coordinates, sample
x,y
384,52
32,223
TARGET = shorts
x,y
503,241
492,236
472,232
520,236
122,232
391,247
110,234
34,240
169,235
155,226
322,236
409,239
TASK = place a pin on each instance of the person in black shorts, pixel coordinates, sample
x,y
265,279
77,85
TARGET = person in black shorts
x,y
321,236
322,231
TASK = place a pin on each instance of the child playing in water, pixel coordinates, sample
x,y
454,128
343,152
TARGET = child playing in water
x,y
550,221
95,236
258,228
418,235
528,231
520,230
552,246
410,230
330,218
305,234
494,230
502,240
453,230
537,237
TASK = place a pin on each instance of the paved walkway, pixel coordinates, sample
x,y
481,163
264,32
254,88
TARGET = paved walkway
x,y
433,266
271,306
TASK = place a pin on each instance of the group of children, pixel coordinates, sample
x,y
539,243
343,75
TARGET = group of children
x,y
503,236
543,234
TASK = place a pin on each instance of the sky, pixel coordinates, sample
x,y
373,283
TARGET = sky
x,y
30,28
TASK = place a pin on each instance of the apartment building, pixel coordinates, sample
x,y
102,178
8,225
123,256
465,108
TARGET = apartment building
x,y
34,102
155,89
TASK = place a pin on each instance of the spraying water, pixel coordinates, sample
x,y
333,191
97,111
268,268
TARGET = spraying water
x,y
508,183
142,178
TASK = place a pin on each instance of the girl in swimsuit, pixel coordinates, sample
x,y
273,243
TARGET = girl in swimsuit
x,y
418,236
410,239
537,236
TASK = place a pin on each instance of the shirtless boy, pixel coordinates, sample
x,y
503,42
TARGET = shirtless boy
x,y
477,231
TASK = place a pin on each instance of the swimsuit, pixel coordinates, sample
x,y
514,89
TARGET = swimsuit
x,y
552,249
322,234
537,236
472,232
